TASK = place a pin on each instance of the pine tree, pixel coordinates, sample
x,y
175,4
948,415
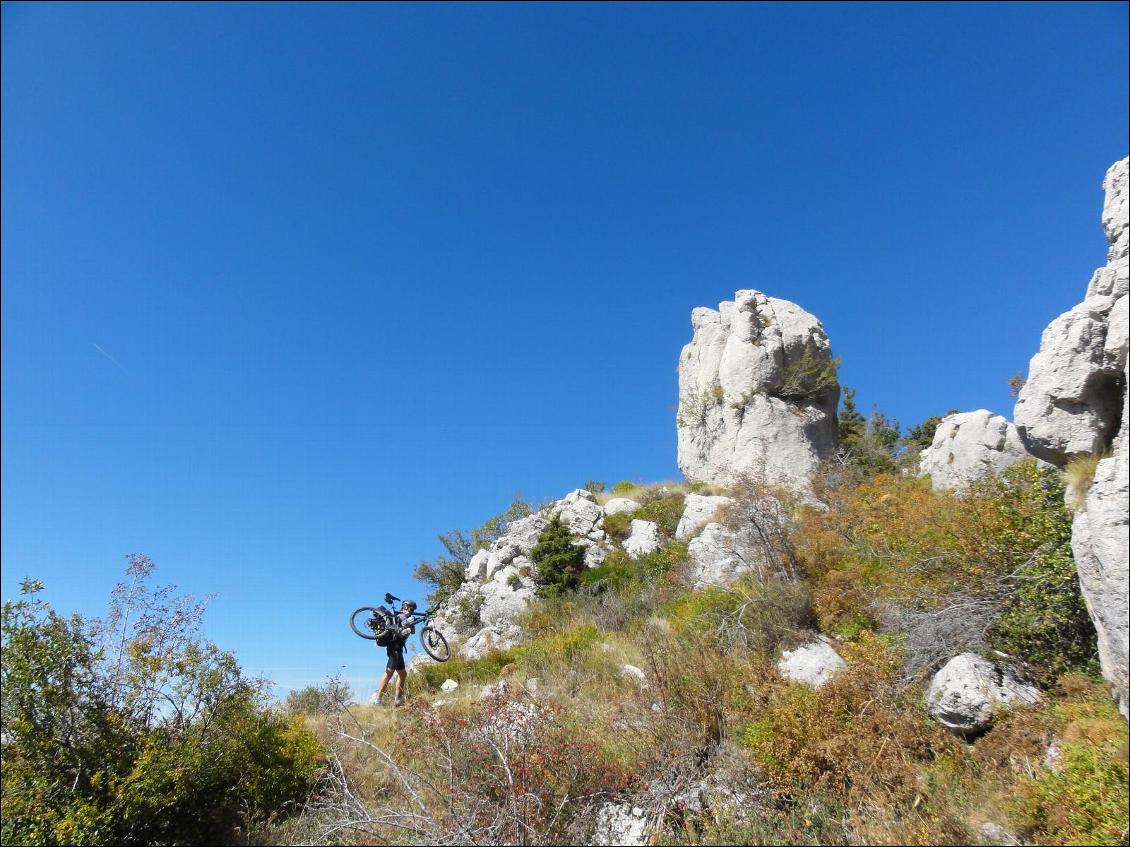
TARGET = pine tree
x,y
560,562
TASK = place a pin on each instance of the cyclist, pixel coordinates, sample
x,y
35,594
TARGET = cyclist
x,y
406,626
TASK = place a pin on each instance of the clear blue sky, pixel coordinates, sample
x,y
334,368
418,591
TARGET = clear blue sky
x,y
289,290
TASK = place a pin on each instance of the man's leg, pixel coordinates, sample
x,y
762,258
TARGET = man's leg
x,y
384,685
400,676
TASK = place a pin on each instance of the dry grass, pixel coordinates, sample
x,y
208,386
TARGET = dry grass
x,y
1078,476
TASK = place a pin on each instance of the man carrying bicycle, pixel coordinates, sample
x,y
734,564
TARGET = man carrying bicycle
x,y
406,625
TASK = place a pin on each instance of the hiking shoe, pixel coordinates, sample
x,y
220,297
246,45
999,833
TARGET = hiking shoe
x,y
398,702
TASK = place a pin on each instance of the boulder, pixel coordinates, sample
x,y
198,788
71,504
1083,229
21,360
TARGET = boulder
x,y
580,512
635,674
699,509
644,539
964,693
720,555
1072,400
620,824
813,664
619,505
449,685
488,638
968,446
757,394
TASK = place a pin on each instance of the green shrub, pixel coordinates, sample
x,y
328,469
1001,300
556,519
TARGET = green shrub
x,y
623,487
618,526
560,562
664,511
1084,801
135,730
809,378
485,669
989,567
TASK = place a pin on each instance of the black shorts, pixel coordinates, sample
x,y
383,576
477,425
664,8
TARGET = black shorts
x,y
395,656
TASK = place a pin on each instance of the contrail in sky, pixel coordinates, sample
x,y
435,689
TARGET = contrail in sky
x,y
108,356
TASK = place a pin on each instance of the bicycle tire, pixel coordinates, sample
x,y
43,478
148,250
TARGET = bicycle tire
x,y
434,644
363,630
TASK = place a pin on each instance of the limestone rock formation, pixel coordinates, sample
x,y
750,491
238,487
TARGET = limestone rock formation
x,y
720,555
757,393
964,693
499,582
699,509
813,664
620,824
970,445
1100,542
1072,400
1075,402
643,540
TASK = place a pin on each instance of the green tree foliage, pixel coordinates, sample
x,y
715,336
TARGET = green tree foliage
x,y
809,378
851,425
868,445
445,573
922,436
560,562
319,699
1045,619
133,729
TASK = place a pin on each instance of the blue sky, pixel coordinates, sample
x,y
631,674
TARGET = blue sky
x,y
289,290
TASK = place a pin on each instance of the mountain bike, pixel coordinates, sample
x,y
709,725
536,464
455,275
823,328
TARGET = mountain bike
x,y
379,626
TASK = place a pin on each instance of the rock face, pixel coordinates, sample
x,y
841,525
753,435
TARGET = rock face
x,y
1100,542
720,555
962,695
698,509
968,446
1075,402
813,664
1073,399
757,394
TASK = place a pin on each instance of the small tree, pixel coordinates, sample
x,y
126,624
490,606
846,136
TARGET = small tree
x,y
922,436
851,425
560,562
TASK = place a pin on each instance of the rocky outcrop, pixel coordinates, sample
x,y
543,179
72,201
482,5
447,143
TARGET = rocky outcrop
x,y
757,394
644,539
964,693
698,510
719,555
500,581
968,446
1100,542
1072,401
813,664
1075,402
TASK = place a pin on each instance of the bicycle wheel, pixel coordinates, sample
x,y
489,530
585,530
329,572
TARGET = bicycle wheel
x,y
364,630
435,645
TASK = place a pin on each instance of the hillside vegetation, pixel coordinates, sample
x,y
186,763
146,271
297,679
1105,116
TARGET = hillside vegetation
x,y
635,709
640,709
